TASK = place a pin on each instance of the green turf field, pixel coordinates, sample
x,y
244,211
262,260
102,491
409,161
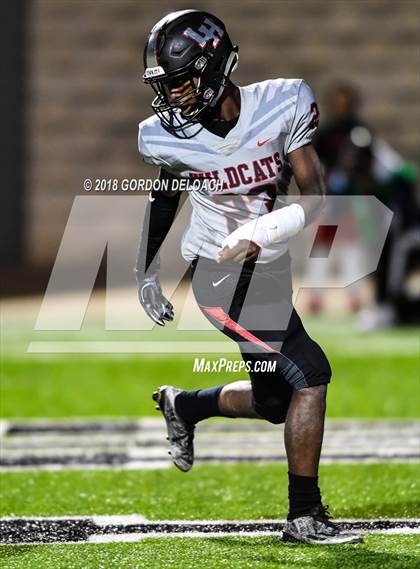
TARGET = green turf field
x,y
210,492
377,552
375,377
85,386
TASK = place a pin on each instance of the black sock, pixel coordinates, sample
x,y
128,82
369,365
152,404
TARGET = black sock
x,y
194,406
304,494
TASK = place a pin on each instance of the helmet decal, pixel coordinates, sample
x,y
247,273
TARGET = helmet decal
x,y
207,31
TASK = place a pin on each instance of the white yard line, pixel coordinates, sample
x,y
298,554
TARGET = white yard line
x,y
4,427
134,465
134,537
140,444
132,528
155,422
161,348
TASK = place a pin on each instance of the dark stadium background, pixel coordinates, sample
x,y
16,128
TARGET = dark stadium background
x,y
72,95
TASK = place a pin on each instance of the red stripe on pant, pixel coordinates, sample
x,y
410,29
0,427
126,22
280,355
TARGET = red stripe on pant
x,y
217,313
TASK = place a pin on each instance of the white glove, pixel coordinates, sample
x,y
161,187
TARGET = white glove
x,y
156,306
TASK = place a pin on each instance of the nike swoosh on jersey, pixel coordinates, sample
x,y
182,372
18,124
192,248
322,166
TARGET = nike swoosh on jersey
x,y
220,281
262,142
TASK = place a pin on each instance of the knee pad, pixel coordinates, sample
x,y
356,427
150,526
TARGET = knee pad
x,y
272,409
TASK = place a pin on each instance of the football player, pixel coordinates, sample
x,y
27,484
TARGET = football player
x,y
251,140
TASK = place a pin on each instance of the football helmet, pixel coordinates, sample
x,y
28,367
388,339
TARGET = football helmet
x,y
188,59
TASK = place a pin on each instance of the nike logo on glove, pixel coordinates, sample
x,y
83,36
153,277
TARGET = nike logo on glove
x,y
221,280
262,142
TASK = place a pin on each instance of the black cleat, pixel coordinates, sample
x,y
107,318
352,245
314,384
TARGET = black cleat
x,y
316,528
180,433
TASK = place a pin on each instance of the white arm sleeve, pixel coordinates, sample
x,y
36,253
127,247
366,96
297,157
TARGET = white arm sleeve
x,y
305,120
279,225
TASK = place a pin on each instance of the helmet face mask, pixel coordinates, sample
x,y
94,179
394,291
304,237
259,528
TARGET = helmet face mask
x,y
177,91
188,58
176,113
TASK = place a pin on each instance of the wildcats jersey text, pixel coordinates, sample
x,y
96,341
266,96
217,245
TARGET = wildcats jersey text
x,y
251,162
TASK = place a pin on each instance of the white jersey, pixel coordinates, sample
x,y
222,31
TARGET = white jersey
x,y
276,117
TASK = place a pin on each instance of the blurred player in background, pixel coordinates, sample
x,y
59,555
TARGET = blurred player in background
x,y
252,139
347,172
357,162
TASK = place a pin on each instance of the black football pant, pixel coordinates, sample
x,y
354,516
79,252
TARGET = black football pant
x,y
252,304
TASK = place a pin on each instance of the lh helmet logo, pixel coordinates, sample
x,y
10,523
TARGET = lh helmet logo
x,y
208,31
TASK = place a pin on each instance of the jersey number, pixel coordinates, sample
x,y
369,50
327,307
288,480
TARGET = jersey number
x,y
240,202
